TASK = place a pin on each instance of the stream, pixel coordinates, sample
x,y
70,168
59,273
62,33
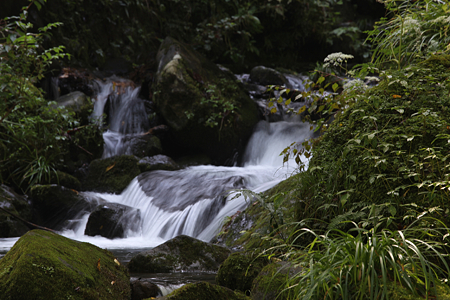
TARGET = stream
x,y
193,201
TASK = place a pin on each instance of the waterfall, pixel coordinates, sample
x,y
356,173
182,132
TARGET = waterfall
x,y
193,201
126,116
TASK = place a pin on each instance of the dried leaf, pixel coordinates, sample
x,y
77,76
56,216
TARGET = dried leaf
x,y
98,265
110,167
116,261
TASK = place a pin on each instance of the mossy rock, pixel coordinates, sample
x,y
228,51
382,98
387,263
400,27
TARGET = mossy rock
x,y
44,265
66,180
17,205
397,292
271,281
206,108
204,290
239,270
182,253
55,204
111,175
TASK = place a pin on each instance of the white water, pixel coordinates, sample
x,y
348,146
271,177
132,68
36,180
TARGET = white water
x,y
193,201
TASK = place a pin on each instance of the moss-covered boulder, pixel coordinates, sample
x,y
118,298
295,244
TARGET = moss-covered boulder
x,y
157,162
271,281
44,265
111,220
111,175
53,204
182,253
204,290
206,108
239,270
66,180
19,206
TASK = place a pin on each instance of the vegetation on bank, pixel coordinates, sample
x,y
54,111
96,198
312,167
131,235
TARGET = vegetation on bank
x,y
371,211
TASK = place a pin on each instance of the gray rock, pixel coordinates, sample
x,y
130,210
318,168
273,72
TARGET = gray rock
x,y
267,76
157,162
180,254
75,101
111,220
16,204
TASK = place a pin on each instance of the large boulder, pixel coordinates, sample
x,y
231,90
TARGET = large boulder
x,y
157,162
204,290
182,253
111,175
239,270
17,205
55,204
206,108
43,265
111,220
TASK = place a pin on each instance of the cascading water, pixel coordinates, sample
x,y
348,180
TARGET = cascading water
x,y
191,201
194,201
126,115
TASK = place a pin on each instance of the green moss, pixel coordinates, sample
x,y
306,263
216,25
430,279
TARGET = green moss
x,y
66,180
238,271
111,175
207,109
271,281
397,292
44,265
204,290
182,253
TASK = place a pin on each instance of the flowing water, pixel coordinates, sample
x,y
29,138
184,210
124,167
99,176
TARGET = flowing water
x,y
193,201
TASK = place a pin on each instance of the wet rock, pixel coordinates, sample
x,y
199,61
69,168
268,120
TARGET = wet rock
x,y
143,145
142,289
267,76
43,265
157,162
239,270
207,109
74,101
16,204
111,220
271,281
111,175
182,253
55,204
204,290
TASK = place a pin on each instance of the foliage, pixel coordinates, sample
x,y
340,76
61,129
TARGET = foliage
x,y
32,131
240,33
362,262
414,30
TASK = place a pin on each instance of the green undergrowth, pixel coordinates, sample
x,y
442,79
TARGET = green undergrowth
x,y
369,218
